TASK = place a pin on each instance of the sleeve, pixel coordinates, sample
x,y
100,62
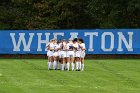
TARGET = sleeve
x,y
84,46
51,45
74,45
67,46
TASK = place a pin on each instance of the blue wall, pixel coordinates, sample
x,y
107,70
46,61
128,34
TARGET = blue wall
x,y
99,41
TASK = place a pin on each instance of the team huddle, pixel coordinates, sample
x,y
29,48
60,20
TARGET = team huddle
x,y
68,54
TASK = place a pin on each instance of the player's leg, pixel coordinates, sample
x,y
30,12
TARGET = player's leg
x,y
72,63
62,63
82,61
55,64
63,60
82,64
68,64
77,63
76,60
49,62
60,59
72,59
50,59
68,61
78,66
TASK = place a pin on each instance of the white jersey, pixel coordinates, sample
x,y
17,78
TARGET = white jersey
x,y
60,50
50,52
59,46
64,46
63,52
83,47
77,50
56,47
70,53
76,45
51,46
70,46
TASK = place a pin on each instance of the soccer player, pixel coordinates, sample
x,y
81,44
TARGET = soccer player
x,y
70,54
77,54
59,42
64,54
83,49
50,54
55,54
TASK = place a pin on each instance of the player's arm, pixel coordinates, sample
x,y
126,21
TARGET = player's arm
x,y
76,47
84,47
60,47
47,46
67,47
79,45
64,46
51,47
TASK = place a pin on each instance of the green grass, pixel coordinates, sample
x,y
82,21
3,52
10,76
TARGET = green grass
x,y
100,76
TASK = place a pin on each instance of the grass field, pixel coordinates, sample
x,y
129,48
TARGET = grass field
x,y
100,76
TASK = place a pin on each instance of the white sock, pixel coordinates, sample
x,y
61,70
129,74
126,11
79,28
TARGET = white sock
x,y
55,65
58,65
62,66
77,65
82,67
68,66
72,65
49,65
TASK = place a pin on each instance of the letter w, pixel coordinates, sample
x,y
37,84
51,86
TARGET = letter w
x,y
21,40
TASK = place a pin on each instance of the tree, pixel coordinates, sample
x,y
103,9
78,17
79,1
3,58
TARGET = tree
x,y
116,14
69,14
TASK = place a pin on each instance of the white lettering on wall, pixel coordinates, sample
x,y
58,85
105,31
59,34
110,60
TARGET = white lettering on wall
x,y
103,39
21,40
122,39
91,35
40,41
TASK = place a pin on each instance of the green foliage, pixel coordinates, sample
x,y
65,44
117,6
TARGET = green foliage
x,y
69,14
116,14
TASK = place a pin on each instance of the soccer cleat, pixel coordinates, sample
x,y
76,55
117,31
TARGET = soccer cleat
x,y
79,70
76,69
